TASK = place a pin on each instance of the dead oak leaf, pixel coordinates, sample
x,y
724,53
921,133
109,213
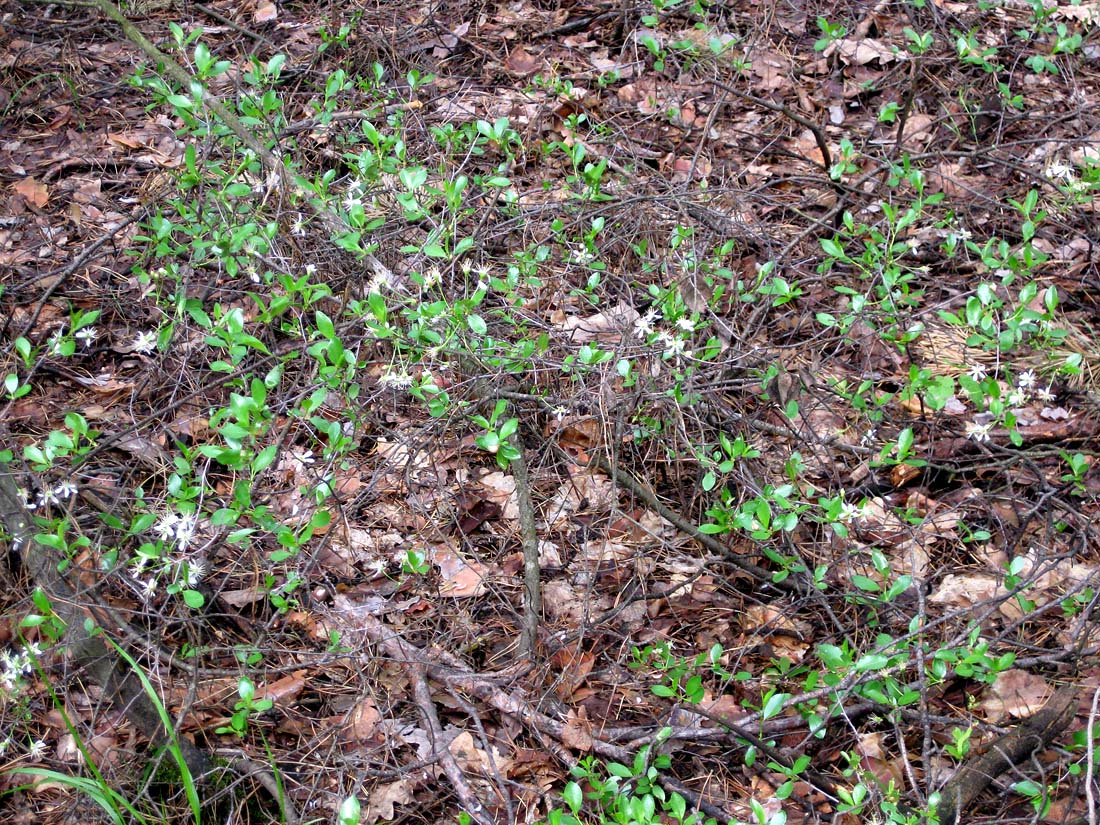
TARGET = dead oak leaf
x,y
35,193
384,797
1016,693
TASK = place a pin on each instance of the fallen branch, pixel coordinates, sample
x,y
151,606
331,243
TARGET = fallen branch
x,y
1032,734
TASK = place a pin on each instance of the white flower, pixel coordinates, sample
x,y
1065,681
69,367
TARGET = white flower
x,y
299,226
466,266
392,378
149,589
686,324
1060,170
432,277
1026,380
1016,398
849,513
378,282
196,569
1045,395
37,749
185,531
54,344
87,335
673,346
977,372
352,200
643,326
165,528
145,341
311,269
978,432
48,497
306,456
66,489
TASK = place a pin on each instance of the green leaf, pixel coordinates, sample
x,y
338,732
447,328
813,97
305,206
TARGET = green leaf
x,y
872,661
194,599
832,248
774,705
573,796
265,458
477,324
866,584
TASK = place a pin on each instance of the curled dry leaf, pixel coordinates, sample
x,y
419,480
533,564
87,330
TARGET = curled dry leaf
x,y
966,590
861,52
384,797
1015,693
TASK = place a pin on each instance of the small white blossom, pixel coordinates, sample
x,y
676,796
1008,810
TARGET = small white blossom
x,y
978,432
378,282
977,372
66,489
849,512
299,226
432,277
54,344
165,528
185,531
466,266
1060,170
37,749
393,378
1045,395
686,324
1016,398
48,497
673,346
1026,380
145,341
149,589
311,269
560,413
87,335
643,326
196,569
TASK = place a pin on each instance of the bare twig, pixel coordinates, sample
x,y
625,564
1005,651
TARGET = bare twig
x,y
532,593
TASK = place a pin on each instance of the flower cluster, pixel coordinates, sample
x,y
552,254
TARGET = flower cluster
x,y
51,495
173,527
14,665
674,342
1026,388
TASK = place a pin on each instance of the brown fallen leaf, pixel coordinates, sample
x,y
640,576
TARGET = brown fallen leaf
x,y
36,194
1015,693
384,797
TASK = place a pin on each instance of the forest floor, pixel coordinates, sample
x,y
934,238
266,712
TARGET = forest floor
x,y
526,411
